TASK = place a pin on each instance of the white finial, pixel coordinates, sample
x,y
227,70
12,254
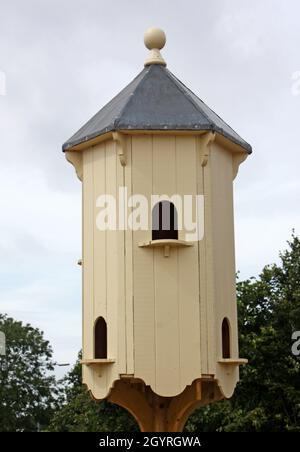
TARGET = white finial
x,y
155,39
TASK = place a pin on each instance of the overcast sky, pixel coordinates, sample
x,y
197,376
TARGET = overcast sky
x,y
63,60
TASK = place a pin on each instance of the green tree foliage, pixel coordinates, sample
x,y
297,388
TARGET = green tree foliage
x,y
79,413
27,389
268,396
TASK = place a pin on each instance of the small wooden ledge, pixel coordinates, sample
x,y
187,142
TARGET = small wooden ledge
x,y
94,362
166,244
233,362
172,243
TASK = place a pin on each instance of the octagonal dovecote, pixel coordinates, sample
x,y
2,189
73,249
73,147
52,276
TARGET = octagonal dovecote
x,y
159,304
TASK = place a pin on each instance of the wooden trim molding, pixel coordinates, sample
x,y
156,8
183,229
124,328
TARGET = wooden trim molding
x,y
237,159
155,413
96,362
203,146
121,146
167,244
75,158
233,361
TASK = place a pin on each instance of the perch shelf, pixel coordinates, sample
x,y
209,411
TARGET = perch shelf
x,y
233,362
166,244
94,362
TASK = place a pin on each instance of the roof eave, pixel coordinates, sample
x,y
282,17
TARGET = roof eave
x,y
91,140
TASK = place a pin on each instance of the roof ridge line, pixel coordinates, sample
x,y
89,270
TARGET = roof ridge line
x,y
185,90
215,126
117,119
95,114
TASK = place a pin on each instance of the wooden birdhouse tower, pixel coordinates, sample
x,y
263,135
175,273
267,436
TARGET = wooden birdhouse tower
x,y
159,307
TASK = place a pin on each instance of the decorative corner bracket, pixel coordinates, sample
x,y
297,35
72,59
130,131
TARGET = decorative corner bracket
x,y
121,146
75,158
237,159
203,145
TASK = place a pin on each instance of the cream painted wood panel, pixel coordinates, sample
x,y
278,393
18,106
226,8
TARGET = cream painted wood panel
x,y
223,259
188,274
209,264
99,265
129,268
202,270
108,176
143,280
103,267
88,263
166,278
224,265
121,297
175,279
112,264
100,273
167,326
163,314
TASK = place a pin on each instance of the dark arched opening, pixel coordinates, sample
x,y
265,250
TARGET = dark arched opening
x,y
225,339
100,339
164,221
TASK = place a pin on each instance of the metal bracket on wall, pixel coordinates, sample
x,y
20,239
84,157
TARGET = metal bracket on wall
x,y
121,146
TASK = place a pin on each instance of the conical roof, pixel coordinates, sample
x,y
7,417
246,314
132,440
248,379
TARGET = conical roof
x,y
154,100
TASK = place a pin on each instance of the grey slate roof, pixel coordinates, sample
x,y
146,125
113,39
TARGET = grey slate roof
x,y
154,100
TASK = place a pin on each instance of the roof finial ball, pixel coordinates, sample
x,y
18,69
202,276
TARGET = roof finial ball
x,y
155,39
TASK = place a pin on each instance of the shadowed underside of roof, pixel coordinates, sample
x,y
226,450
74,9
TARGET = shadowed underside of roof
x,y
154,100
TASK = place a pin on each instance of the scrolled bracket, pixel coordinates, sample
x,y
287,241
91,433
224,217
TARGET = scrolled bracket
x,y
203,146
75,158
121,146
237,159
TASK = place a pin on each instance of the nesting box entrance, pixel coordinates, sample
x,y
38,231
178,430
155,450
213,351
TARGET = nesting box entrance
x,y
100,339
225,339
164,221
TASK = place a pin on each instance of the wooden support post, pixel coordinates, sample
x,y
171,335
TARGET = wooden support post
x,y
155,413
